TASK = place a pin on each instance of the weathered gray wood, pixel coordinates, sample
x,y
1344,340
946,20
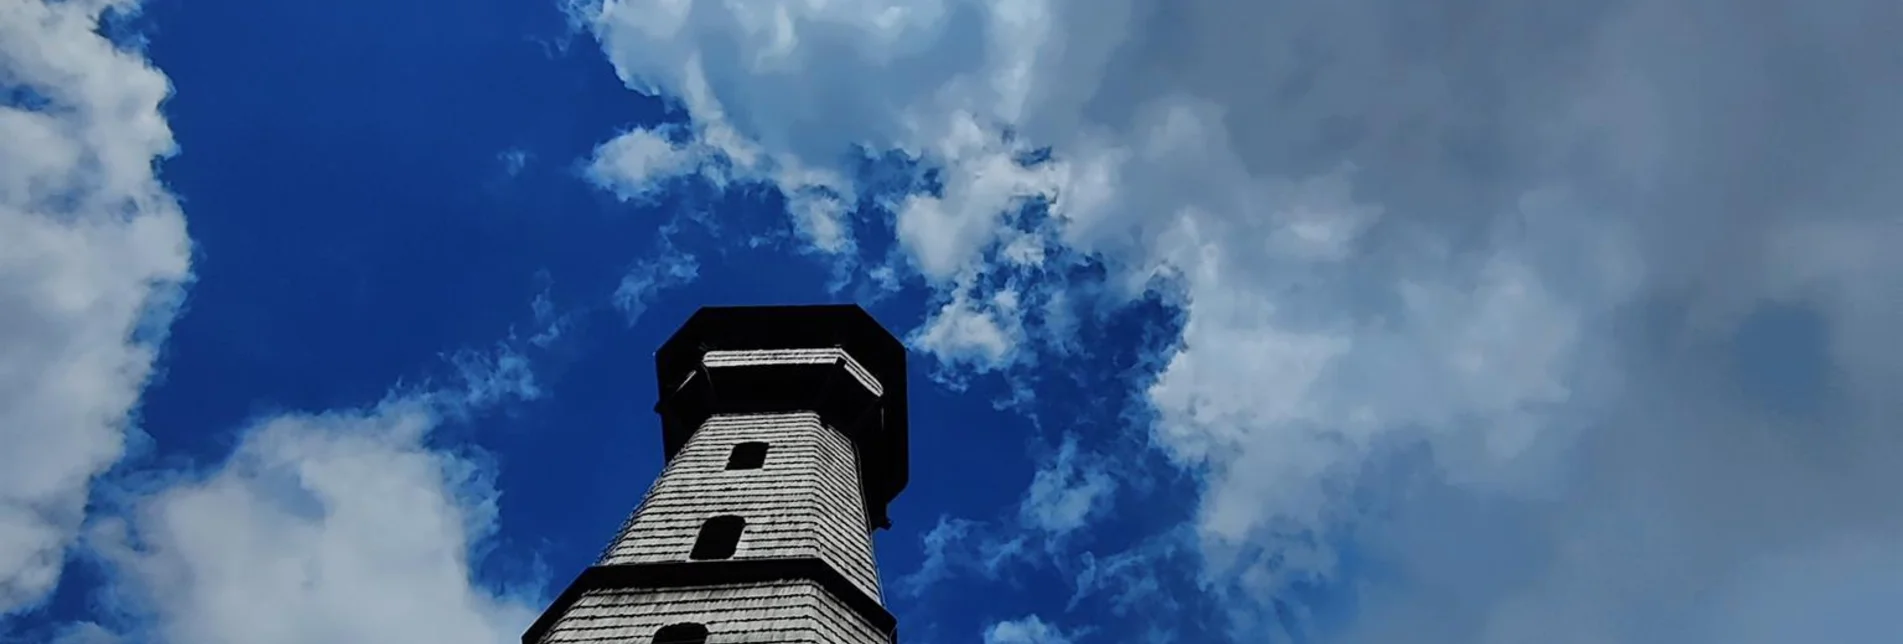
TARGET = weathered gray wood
x,y
804,501
790,612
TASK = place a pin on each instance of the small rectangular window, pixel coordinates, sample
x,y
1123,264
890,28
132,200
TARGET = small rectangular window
x,y
750,455
719,537
682,633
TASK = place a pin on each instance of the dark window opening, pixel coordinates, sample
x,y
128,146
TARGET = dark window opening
x,y
719,537
747,456
682,633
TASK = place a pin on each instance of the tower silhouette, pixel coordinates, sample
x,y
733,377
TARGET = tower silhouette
x,y
784,429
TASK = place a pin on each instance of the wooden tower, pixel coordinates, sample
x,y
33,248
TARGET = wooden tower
x,y
785,435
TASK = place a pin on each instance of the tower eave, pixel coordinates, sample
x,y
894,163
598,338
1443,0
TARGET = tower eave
x,y
884,449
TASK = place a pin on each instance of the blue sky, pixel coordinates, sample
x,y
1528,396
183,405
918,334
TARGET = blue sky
x,y
1372,321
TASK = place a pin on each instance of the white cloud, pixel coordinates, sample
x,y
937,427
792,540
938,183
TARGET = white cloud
x,y
345,525
946,234
982,334
818,199
1029,629
636,164
1520,241
333,527
91,268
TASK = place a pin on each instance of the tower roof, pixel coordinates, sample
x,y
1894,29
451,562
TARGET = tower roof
x,y
882,444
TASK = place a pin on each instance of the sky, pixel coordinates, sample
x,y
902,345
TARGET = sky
x,y
1468,321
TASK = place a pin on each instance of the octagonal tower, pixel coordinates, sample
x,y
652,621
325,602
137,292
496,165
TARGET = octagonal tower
x,y
784,429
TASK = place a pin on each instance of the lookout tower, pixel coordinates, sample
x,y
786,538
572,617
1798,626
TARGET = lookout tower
x,y
784,429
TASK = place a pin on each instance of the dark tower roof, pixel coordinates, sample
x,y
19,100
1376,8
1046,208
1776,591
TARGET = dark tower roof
x,y
688,392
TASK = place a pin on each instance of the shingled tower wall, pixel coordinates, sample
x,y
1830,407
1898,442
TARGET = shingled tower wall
x,y
785,435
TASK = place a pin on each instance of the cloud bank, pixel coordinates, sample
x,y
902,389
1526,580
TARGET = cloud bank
x,y
1572,317
332,527
91,271
342,525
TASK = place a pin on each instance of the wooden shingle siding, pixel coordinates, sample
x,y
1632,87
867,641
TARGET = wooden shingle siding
x,y
805,501
789,612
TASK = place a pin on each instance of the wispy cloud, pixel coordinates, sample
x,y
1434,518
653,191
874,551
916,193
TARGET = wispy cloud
x,y
666,266
1066,492
549,325
940,545
1069,489
513,160
487,378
